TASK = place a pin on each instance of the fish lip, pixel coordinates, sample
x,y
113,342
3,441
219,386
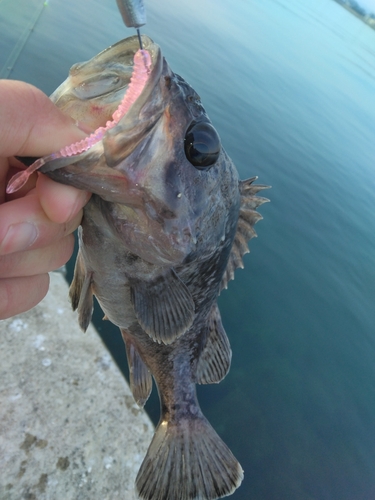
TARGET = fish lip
x,y
141,118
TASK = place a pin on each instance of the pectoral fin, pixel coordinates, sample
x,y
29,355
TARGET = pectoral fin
x,y
214,361
80,293
164,306
139,376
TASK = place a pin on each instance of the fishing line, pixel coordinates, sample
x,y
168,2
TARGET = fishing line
x,y
16,52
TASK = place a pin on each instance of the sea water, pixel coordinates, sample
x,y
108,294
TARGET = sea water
x,y
290,86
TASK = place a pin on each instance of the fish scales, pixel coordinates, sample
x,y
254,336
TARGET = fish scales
x,y
162,234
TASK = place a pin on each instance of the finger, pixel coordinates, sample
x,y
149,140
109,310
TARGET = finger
x,y
38,261
18,295
31,125
61,203
24,225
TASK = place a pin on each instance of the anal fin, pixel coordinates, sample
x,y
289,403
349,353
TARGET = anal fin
x,y
214,361
164,306
140,379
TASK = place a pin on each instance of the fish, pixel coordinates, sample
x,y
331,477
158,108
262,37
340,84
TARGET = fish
x,y
162,235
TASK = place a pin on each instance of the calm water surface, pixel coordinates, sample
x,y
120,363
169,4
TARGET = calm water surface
x,y
289,85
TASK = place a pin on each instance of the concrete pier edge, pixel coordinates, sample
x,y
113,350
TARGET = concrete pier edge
x,y
69,427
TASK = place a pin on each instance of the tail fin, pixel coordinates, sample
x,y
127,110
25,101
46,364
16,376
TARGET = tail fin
x,y
188,461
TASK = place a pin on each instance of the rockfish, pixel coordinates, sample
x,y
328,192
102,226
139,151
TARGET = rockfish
x,y
162,235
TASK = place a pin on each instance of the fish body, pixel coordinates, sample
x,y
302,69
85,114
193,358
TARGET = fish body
x,y
162,234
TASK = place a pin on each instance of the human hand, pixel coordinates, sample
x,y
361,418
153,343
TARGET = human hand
x,y
37,222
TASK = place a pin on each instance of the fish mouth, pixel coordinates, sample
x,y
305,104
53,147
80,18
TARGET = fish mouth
x,y
105,96
94,90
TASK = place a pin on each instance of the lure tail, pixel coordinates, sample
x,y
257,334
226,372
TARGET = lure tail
x,y
187,460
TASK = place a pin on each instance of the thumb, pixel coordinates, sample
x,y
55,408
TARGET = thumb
x,y
30,124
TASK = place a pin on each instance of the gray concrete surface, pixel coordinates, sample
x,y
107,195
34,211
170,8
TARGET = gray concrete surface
x,y
69,428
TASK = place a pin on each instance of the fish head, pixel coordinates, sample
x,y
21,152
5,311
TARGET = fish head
x,y
167,188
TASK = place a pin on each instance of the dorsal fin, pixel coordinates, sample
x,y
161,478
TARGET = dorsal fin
x,y
247,219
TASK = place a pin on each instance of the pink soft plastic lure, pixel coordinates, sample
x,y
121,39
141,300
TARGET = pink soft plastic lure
x,y
141,71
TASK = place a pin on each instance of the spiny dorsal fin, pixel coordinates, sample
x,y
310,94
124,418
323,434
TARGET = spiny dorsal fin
x,y
248,217
139,376
214,361
164,306
80,293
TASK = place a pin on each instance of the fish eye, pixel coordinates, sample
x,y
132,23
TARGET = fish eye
x,y
202,145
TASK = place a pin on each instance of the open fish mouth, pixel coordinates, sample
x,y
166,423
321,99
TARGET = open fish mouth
x,y
140,74
98,94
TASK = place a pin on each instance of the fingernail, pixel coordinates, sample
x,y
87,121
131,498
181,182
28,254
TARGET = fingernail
x,y
19,237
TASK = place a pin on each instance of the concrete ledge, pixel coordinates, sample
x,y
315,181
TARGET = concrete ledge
x,y
69,428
